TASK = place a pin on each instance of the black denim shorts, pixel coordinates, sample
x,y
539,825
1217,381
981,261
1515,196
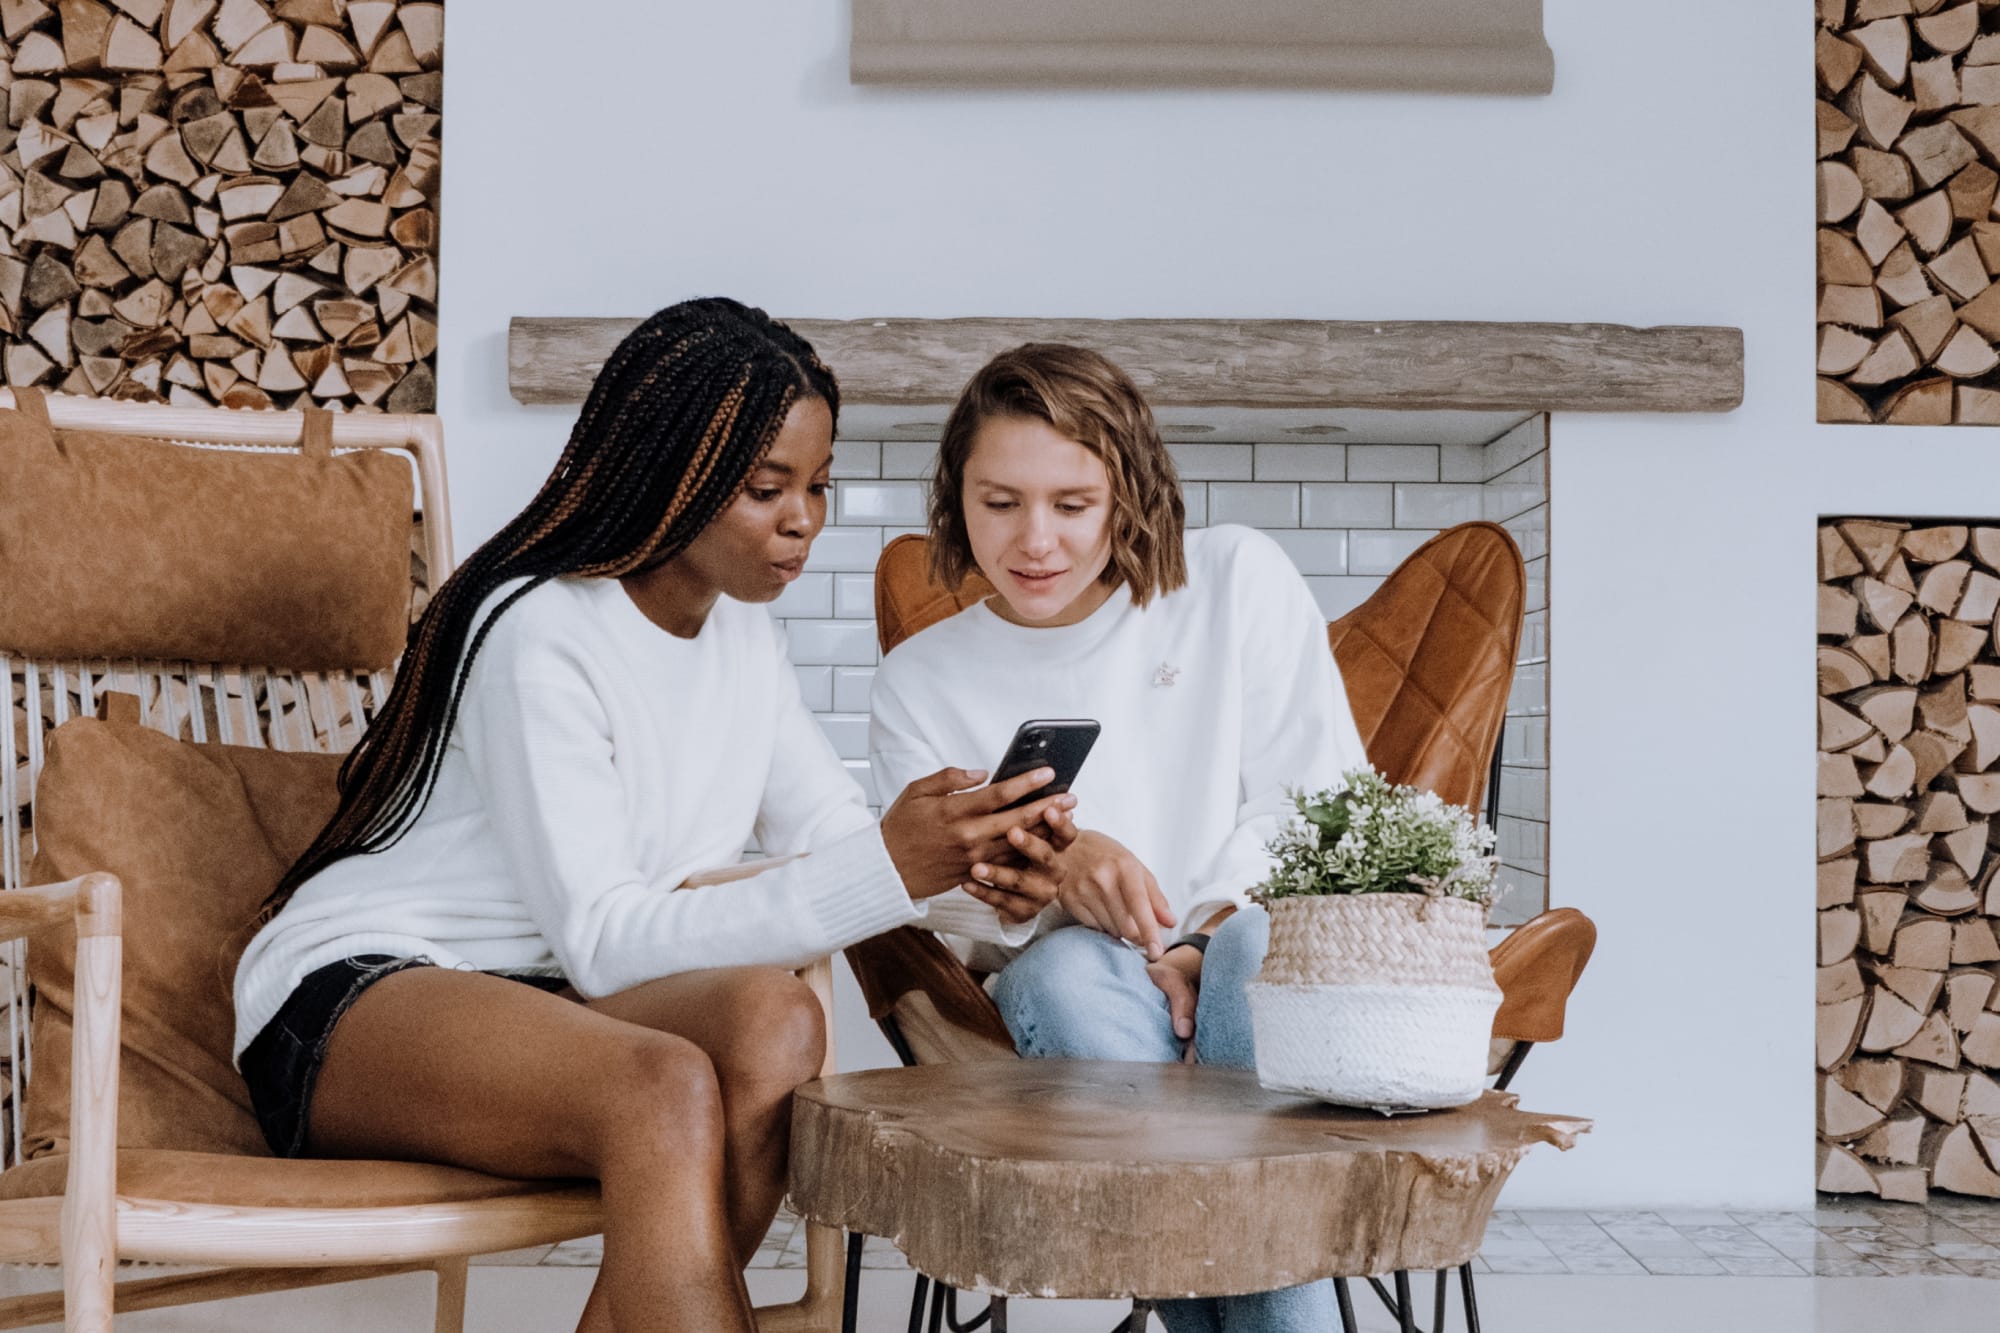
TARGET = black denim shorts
x,y
282,1062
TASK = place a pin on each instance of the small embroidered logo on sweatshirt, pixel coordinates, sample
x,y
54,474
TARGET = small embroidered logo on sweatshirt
x,y
1166,675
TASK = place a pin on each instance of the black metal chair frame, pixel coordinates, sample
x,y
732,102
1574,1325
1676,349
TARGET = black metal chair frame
x,y
943,1299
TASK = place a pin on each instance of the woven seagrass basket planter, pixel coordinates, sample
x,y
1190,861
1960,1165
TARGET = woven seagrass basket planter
x,y
1382,1000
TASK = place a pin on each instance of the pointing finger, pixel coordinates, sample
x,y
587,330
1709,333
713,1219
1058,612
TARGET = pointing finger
x,y
1013,789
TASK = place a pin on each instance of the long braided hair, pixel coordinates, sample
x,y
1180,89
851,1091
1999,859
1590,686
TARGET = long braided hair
x,y
678,417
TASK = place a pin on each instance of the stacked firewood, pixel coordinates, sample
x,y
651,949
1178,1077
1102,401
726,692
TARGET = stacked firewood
x,y
1909,241
222,201
1909,784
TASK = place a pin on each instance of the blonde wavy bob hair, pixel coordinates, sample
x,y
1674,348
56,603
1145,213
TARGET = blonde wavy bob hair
x,y
1082,396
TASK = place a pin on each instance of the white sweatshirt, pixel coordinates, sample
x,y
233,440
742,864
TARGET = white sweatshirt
x,y
596,763
1213,701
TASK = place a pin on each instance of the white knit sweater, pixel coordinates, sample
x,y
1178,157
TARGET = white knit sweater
x,y
596,763
1213,701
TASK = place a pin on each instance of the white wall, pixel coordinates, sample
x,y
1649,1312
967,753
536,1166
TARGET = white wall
x,y
633,153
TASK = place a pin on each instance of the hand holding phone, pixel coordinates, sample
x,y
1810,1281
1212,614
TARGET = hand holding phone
x,y
1028,876
944,824
1057,743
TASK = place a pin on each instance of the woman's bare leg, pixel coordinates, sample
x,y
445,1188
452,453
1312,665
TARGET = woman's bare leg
x,y
445,1066
764,1032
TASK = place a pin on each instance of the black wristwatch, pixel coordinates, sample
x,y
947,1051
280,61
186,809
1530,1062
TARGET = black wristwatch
x,y
1197,941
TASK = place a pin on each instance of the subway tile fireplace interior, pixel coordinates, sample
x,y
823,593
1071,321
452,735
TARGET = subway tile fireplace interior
x,y
1347,503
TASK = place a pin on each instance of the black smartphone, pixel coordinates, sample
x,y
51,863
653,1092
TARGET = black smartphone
x,y
1058,743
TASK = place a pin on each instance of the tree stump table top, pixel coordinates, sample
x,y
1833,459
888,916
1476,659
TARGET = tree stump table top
x,y
1100,1179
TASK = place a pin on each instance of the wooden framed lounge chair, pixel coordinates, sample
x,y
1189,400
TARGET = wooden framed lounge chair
x,y
230,590
1427,661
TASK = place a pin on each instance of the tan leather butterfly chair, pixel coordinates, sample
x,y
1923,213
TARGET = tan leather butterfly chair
x,y
1427,660
150,578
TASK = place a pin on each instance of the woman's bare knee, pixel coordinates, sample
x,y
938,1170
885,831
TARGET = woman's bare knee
x,y
762,1027
780,1037
656,1090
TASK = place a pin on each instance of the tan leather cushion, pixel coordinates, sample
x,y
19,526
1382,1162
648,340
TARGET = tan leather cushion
x,y
251,1182
896,962
1537,966
1429,659
933,1038
123,547
199,834
905,598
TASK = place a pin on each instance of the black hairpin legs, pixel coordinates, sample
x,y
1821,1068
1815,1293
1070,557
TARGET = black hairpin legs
x,y
1401,1308
1346,1302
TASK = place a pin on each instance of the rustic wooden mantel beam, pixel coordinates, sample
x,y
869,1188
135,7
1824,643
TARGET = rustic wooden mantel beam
x,y
1254,363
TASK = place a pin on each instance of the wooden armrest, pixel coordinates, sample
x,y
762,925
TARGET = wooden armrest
x,y
90,1205
91,901
730,874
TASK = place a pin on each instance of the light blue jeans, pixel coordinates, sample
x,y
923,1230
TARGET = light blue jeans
x,y
1082,995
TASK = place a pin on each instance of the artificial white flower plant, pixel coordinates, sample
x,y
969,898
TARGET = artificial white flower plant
x,y
1369,835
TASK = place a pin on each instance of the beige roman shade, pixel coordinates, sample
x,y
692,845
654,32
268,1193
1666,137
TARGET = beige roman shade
x,y
1470,46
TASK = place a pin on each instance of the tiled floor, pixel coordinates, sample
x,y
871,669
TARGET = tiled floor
x,y
1951,1238
1836,1240
547,1300
1550,1272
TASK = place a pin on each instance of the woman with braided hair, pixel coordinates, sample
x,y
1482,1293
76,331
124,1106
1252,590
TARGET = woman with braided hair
x,y
484,960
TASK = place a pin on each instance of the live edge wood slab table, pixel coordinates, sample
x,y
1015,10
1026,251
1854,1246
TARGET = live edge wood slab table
x,y
1100,1179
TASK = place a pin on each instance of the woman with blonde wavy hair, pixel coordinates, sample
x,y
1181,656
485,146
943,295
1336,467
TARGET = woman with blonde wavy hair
x,y
1204,658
